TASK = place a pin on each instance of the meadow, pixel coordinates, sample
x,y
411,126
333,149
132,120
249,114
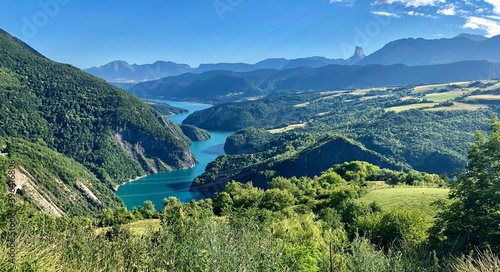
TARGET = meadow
x,y
410,198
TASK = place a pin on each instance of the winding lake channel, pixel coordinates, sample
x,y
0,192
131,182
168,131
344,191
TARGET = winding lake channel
x,y
175,183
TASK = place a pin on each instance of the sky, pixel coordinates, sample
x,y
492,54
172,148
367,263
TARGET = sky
x,y
88,33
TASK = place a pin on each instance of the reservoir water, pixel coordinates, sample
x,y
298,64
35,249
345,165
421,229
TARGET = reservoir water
x,y
175,183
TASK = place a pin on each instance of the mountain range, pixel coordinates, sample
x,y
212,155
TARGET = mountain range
x,y
228,86
409,52
122,72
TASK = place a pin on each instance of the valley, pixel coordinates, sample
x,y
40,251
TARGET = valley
x,y
379,162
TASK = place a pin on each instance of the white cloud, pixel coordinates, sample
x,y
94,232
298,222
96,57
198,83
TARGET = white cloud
x,y
349,3
449,11
495,4
491,27
463,12
419,14
414,3
384,13
414,13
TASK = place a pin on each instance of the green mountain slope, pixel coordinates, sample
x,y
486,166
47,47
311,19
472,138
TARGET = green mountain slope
x,y
114,135
432,140
287,154
195,134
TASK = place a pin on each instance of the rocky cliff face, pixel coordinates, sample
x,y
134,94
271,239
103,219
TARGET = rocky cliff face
x,y
152,153
358,55
53,183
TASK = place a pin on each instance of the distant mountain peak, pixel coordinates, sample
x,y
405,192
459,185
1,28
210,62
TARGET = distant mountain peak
x,y
358,55
359,52
473,37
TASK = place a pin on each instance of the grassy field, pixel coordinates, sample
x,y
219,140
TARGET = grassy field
x,y
364,98
483,96
459,106
493,87
323,113
441,97
411,198
411,106
426,88
287,128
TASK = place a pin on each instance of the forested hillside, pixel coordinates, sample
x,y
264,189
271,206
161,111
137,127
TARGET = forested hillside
x,y
287,155
427,128
111,134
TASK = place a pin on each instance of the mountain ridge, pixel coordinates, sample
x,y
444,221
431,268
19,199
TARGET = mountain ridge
x,y
233,86
421,51
409,51
120,71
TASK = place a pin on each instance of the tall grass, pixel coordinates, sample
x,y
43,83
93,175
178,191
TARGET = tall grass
x,y
210,243
477,262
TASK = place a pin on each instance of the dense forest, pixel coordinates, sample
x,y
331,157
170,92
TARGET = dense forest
x,y
286,155
166,109
389,122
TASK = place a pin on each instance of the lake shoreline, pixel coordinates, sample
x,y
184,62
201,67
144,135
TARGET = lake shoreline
x,y
115,188
156,186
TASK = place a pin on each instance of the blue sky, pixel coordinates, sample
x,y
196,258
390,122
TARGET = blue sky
x,y
89,33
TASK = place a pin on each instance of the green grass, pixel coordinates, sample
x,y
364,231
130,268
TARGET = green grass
x,y
411,198
441,97
411,106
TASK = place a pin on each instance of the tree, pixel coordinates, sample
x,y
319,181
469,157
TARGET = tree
x,y
222,202
394,228
148,209
473,217
276,199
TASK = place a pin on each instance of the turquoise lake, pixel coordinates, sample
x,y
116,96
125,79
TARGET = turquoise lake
x,y
175,183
